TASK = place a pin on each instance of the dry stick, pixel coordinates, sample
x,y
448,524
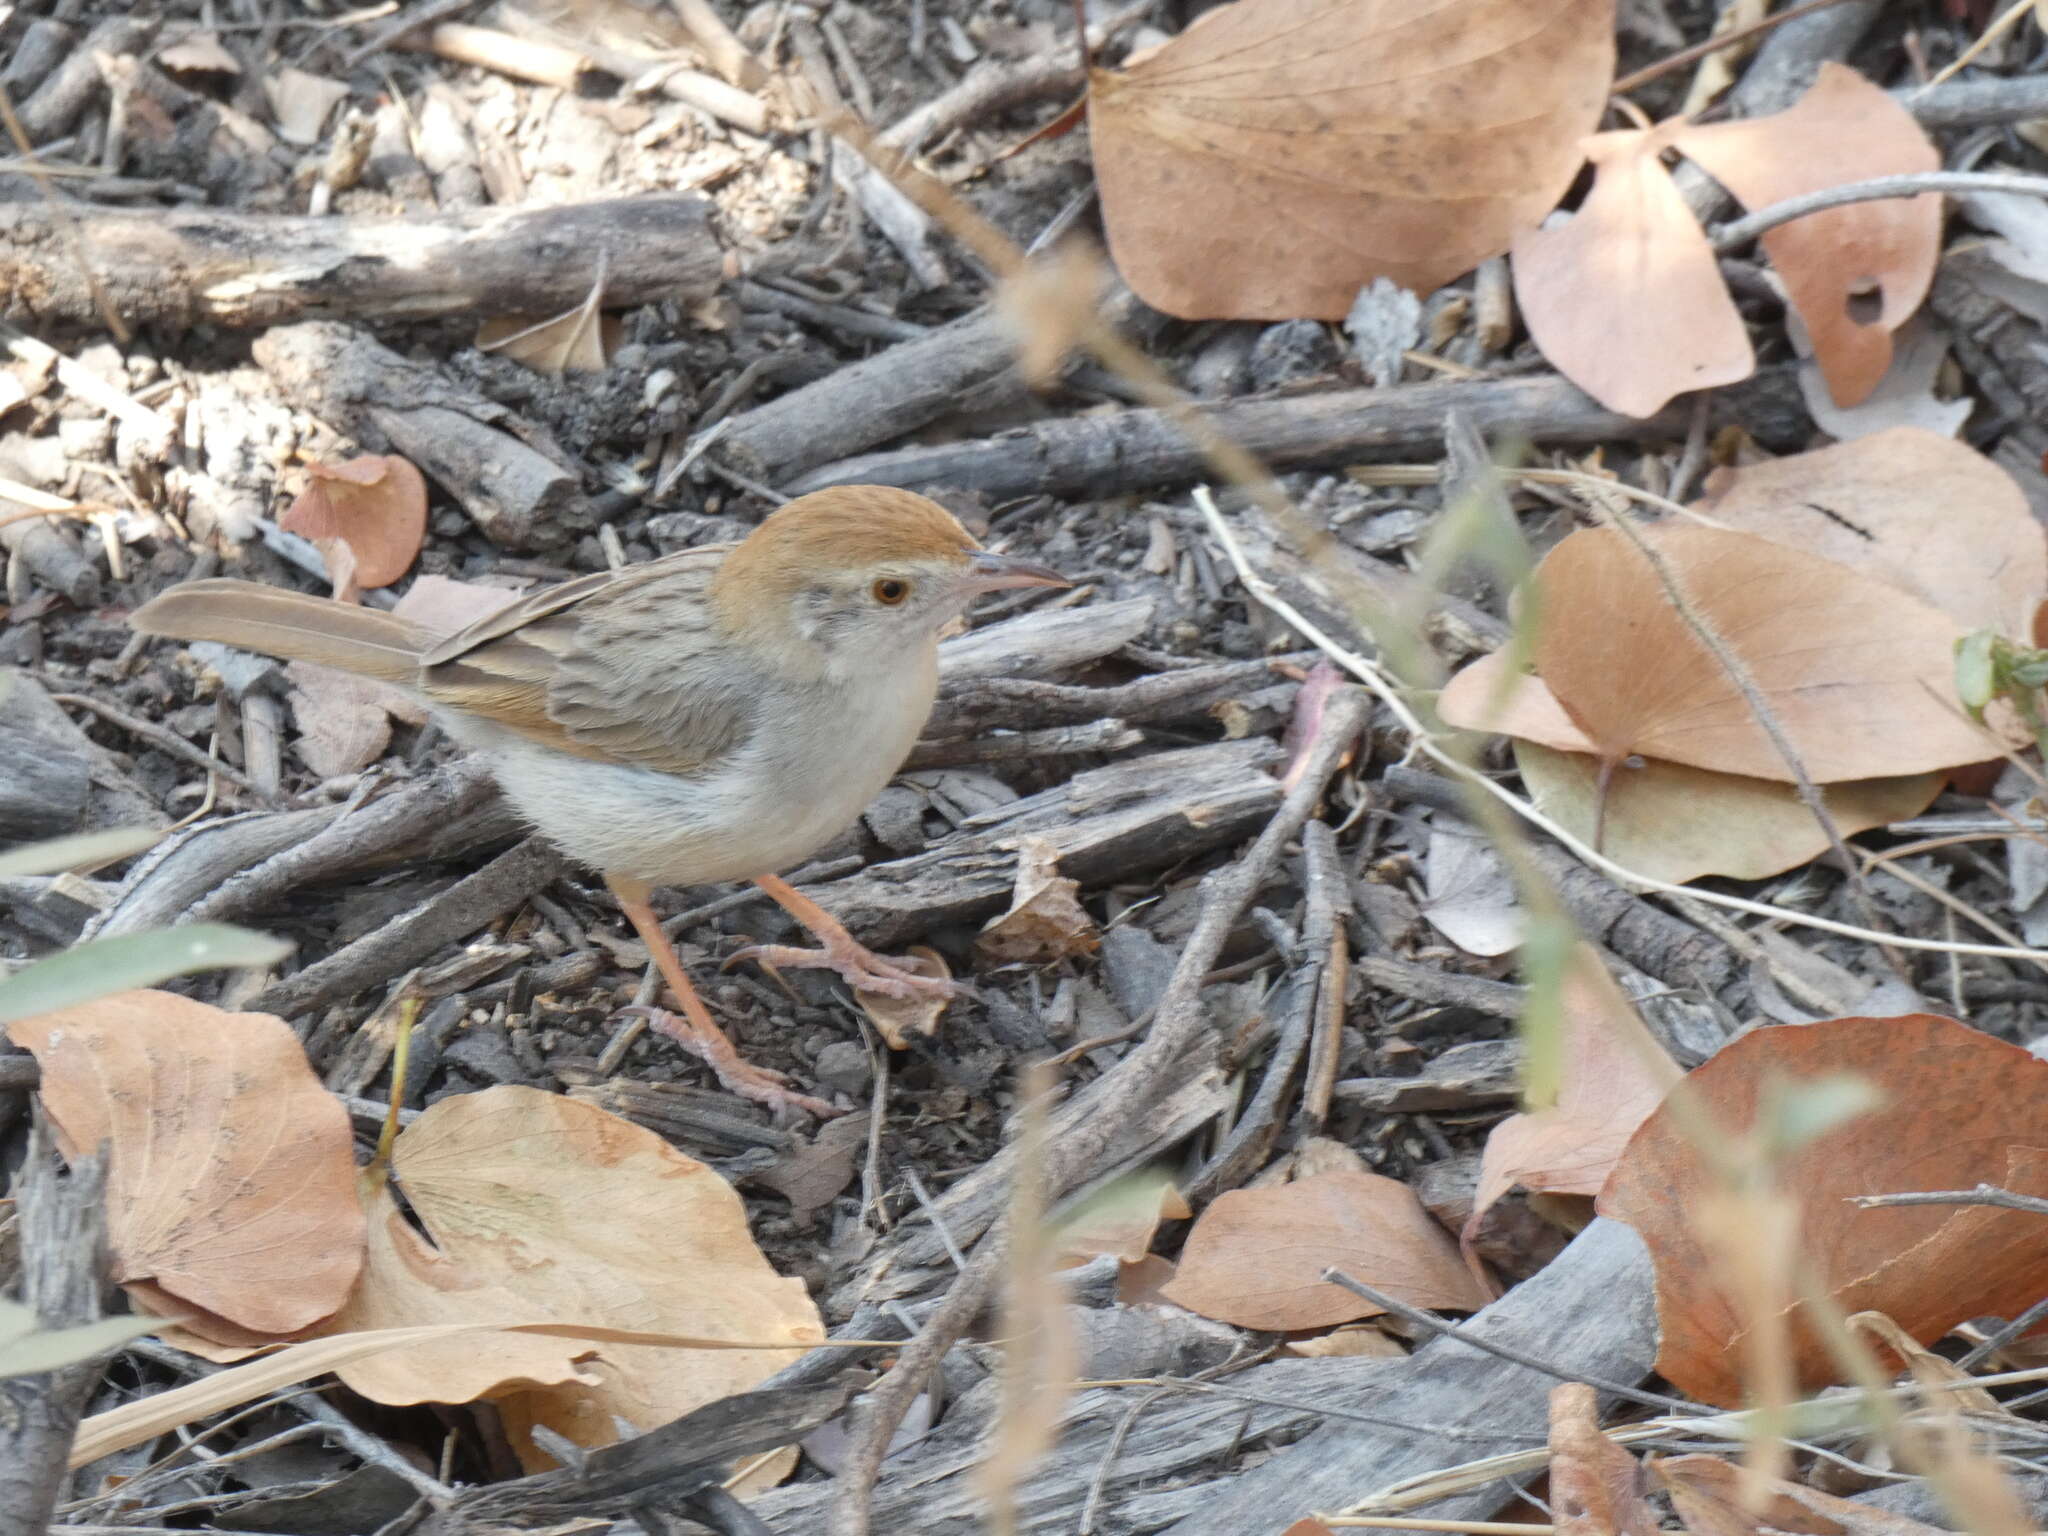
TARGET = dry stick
x,y
1714,45
1983,1194
1179,1021
1738,234
163,740
1430,747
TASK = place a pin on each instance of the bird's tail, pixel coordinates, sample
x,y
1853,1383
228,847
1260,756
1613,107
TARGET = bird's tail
x,y
291,625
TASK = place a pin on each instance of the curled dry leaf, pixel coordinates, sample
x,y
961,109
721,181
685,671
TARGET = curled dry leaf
x,y
231,1180
1676,823
1046,921
1596,1488
1626,299
1856,273
1327,143
1120,1219
1614,1074
534,1207
1708,1495
1961,1108
1857,673
896,1019
1925,513
1256,1257
345,721
375,504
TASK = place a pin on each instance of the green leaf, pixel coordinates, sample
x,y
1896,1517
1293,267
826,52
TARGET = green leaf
x,y
1976,673
26,1349
106,966
61,853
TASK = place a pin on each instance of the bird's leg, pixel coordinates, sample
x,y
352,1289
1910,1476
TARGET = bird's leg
x,y
840,951
694,1029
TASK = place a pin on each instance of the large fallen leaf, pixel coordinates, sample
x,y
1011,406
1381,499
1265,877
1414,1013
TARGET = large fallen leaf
x,y
1281,154
1932,516
537,1206
1625,299
1487,696
1256,1257
1046,921
1961,1108
230,1180
1857,673
375,506
1614,1074
1856,273
1676,823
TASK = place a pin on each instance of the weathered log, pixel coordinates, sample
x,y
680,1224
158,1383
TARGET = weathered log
x,y
179,267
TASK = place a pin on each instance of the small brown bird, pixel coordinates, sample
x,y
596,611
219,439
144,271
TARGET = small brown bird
x,y
717,713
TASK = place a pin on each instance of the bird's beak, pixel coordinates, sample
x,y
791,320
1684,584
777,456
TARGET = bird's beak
x,y
989,573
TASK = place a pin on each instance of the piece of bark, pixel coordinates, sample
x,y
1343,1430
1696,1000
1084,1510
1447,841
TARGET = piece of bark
x,y
1146,449
227,869
1020,703
40,744
64,1263
44,43
180,267
505,883
1475,1074
1107,823
519,486
1591,1312
1042,642
49,556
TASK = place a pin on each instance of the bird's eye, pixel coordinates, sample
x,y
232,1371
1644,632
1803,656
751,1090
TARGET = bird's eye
x,y
890,591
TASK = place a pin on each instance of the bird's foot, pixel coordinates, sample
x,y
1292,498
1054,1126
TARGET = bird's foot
x,y
735,1073
861,968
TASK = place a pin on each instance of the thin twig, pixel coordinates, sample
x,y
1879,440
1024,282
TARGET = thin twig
x,y
1983,1194
162,740
1713,45
1731,237
1435,1324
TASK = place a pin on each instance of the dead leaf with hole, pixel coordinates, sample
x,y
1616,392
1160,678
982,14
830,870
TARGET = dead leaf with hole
x,y
1596,1488
1925,513
1855,273
1256,1256
1962,1108
375,505
1707,1494
1046,922
535,1207
1626,299
1857,673
1279,155
231,1184
1676,823
1614,1074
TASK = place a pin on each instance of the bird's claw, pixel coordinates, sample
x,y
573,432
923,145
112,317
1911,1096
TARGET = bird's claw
x,y
861,969
764,1085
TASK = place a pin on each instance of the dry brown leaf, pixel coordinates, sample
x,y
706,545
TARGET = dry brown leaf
x,y
1486,696
1046,921
1256,1257
1855,273
537,1206
198,53
1614,1074
1676,823
1279,155
896,1019
580,340
1932,516
1119,1220
345,721
444,606
376,504
1626,299
1140,1284
1706,1492
231,1180
1357,1342
302,103
1961,1109
1857,672
1595,1485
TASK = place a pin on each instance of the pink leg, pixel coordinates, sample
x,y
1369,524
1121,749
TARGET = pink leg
x,y
839,951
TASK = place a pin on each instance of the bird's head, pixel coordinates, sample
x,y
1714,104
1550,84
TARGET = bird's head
x,y
852,572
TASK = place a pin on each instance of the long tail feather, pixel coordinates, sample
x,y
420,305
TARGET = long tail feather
x,y
291,625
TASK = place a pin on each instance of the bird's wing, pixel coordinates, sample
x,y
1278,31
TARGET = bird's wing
x,y
620,667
